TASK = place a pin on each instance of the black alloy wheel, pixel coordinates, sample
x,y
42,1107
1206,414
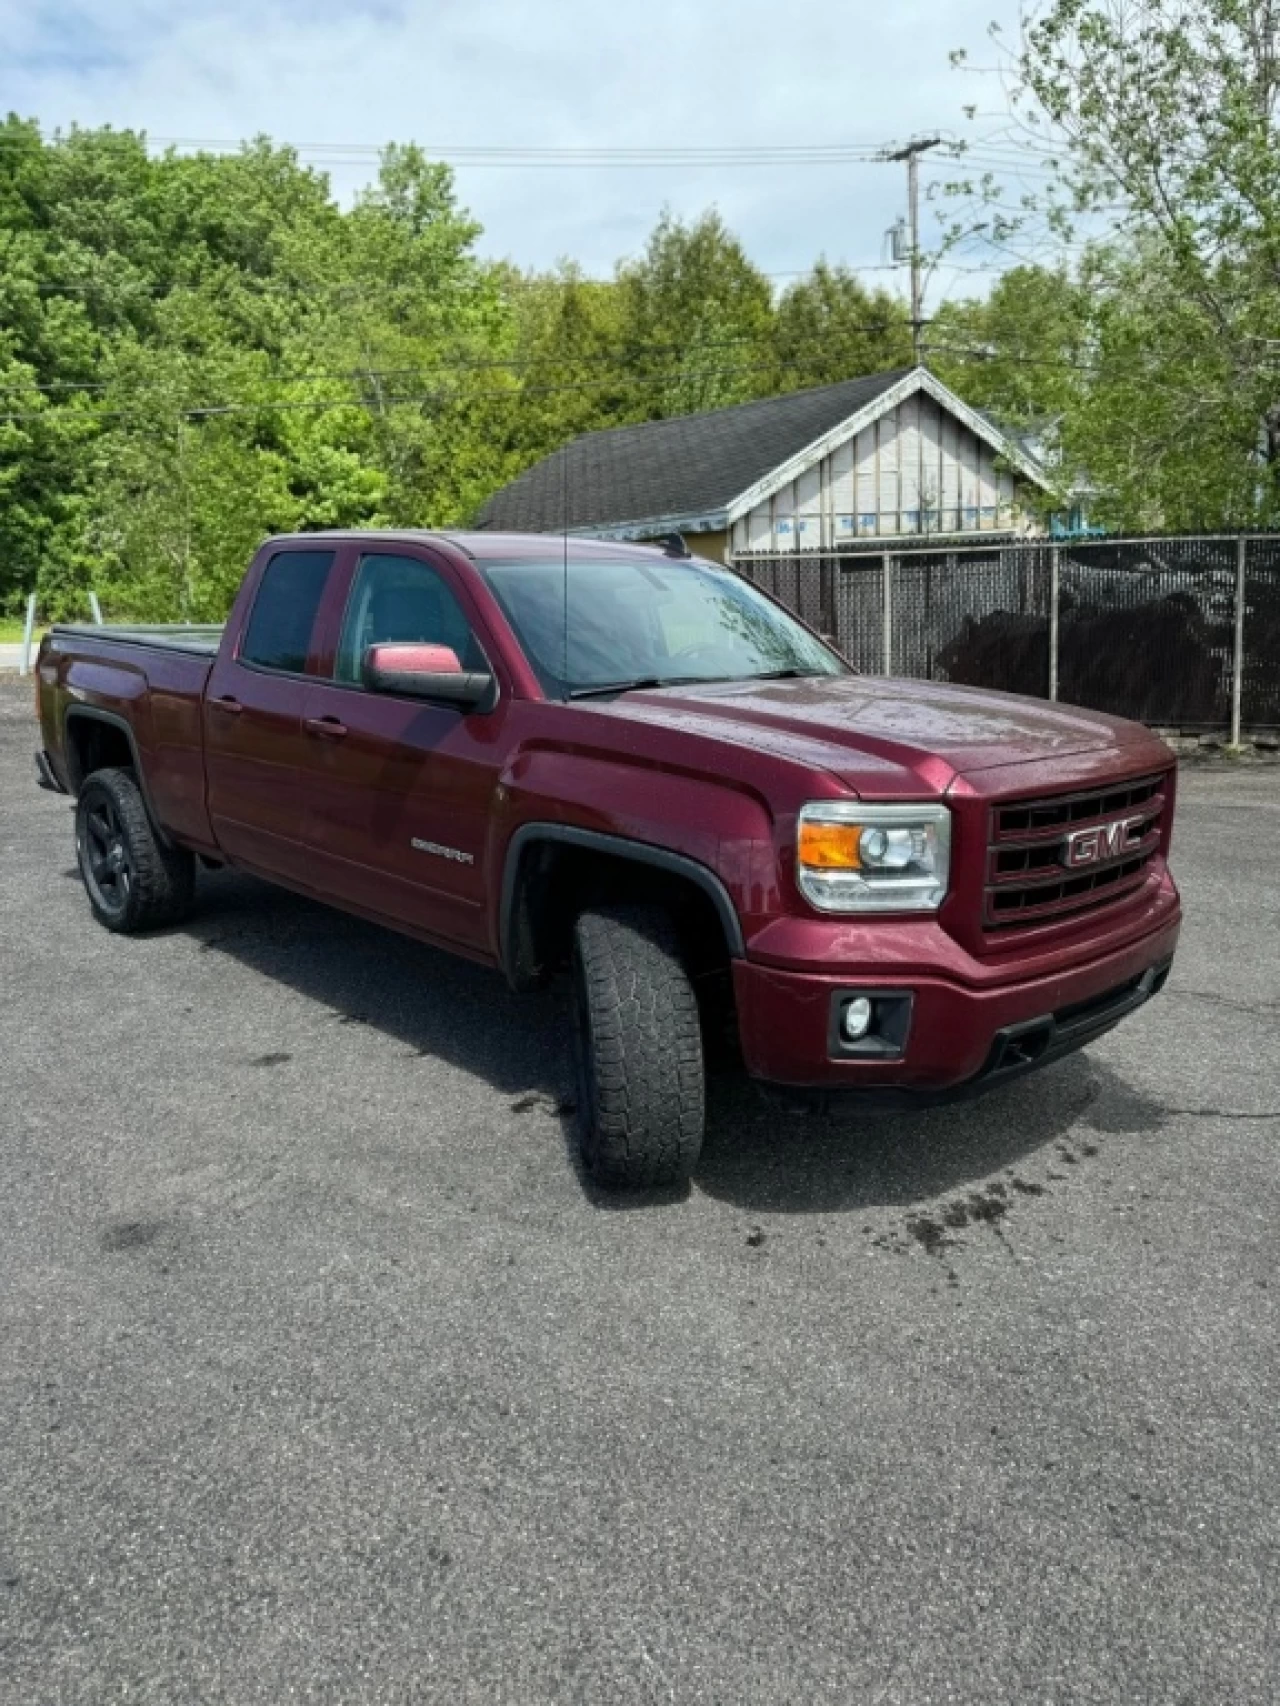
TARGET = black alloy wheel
x,y
104,857
135,878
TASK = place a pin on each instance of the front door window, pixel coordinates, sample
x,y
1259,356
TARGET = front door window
x,y
402,599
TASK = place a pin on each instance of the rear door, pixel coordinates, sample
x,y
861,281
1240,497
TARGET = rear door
x,y
254,745
399,790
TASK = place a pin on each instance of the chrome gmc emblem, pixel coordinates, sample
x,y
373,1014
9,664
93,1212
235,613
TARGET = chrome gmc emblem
x,y
1102,841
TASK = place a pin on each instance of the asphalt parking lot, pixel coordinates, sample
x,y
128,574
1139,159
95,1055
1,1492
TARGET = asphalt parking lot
x,y
324,1379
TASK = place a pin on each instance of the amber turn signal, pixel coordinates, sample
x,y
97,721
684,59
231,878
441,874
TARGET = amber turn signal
x,y
830,846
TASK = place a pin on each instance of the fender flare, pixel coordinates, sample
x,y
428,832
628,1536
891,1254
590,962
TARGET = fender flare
x,y
618,847
92,714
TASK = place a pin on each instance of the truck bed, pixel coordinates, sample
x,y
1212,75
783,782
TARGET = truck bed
x,y
148,681
164,636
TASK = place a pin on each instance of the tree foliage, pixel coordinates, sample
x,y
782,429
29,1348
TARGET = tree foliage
x,y
1154,124
196,351
830,327
698,319
1016,352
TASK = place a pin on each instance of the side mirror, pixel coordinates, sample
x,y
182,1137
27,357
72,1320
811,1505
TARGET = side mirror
x,y
426,672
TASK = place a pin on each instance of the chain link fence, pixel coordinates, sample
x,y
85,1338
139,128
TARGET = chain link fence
x,y
1180,632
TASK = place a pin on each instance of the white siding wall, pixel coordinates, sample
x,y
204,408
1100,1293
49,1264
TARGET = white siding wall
x,y
917,469
912,425
842,493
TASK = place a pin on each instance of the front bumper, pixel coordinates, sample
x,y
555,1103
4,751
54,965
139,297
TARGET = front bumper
x,y
963,1037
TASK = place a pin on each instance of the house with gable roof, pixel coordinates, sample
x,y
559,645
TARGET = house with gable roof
x,y
891,459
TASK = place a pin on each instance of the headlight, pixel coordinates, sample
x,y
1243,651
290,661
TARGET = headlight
x,y
856,858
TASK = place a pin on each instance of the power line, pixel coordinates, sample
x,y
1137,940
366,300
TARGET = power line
x,y
984,353
678,377
502,155
469,364
266,406
545,281
663,151
1006,156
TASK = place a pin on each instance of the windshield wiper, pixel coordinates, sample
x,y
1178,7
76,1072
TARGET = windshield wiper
x,y
599,689
786,675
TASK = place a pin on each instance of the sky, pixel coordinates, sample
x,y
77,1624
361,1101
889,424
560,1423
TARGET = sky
x,y
564,74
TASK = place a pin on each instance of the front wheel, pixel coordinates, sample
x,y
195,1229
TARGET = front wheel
x,y
638,1047
134,880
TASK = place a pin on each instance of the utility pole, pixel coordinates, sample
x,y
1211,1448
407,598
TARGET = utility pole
x,y
911,154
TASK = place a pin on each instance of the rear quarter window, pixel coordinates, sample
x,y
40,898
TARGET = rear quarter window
x,y
284,611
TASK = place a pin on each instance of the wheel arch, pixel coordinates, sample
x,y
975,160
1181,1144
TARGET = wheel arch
x,y
534,849
83,753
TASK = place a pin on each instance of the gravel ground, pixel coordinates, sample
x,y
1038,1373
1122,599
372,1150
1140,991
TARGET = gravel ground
x,y
324,1379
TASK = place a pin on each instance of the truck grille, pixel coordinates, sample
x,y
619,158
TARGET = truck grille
x,y
1027,881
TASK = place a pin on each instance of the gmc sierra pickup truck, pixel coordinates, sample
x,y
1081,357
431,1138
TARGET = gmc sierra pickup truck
x,y
630,765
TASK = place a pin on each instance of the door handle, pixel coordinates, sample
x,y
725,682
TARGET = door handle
x,y
329,728
231,706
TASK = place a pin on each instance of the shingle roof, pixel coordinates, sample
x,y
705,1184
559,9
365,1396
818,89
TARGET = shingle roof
x,y
693,465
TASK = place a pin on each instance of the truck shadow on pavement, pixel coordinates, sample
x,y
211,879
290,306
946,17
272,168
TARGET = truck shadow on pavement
x,y
430,1001
760,1157
756,1156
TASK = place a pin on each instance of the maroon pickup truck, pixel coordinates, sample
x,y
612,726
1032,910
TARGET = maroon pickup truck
x,y
630,765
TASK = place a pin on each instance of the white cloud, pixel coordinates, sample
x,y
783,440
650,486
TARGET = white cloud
x,y
499,72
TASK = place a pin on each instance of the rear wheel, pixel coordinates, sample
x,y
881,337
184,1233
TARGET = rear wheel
x,y
638,1047
133,880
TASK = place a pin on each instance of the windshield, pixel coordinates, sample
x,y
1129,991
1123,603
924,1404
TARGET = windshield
x,y
628,621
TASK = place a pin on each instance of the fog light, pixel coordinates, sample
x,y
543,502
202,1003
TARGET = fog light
x,y
855,1021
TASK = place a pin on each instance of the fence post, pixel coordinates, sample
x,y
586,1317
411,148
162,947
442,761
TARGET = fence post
x,y
887,591
1055,587
1237,659
96,608
830,622
29,628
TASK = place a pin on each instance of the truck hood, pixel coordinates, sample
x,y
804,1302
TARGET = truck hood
x,y
863,728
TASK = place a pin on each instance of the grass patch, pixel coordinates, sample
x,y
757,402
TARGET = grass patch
x,y
11,632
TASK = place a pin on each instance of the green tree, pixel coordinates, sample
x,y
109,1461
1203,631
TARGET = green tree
x,y
400,310
50,344
687,326
1158,122
569,355
195,351
198,350
696,320
1164,431
1020,353
829,327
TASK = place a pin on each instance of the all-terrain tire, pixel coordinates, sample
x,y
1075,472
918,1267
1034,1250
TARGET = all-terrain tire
x,y
133,879
638,1044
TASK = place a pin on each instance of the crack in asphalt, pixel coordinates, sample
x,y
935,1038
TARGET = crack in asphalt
x,y
1222,1113
1225,1001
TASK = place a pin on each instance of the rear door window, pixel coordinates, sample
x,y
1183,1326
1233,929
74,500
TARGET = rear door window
x,y
284,611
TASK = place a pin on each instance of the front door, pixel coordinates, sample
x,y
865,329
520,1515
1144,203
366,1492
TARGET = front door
x,y
398,791
254,745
